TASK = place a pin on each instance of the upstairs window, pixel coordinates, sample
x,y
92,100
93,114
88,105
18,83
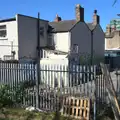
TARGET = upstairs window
x,y
3,31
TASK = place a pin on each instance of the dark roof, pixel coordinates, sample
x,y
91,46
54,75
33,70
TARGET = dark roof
x,y
66,25
7,20
91,26
62,26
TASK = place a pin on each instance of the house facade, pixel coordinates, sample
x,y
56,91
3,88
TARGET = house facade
x,y
112,38
98,43
8,39
59,39
78,37
112,35
18,37
27,36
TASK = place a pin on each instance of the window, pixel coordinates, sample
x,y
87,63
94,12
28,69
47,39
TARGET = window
x,y
75,48
3,32
42,31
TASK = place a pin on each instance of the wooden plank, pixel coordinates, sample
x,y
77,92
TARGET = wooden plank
x,y
111,92
84,115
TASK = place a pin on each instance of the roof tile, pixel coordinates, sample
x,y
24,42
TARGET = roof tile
x,y
66,25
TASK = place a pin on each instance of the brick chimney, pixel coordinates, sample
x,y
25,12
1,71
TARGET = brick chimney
x,y
57,19
96,18
108,30
79,13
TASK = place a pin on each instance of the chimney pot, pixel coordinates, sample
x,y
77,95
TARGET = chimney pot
x,y
57,19
57,16
95,11
78,5
96,18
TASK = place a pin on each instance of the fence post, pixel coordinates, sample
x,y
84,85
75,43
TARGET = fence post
x,y
37,85
95,98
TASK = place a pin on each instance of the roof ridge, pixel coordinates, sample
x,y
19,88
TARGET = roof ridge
x,y
62,21
66,25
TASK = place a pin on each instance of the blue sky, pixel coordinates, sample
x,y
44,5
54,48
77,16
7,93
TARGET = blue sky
x,y
64,8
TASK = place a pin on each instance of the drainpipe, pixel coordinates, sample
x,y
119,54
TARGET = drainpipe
x,y
119,39
38,37
91,59
91,62
38,62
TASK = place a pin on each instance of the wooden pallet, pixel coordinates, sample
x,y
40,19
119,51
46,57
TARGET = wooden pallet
x,y
76,108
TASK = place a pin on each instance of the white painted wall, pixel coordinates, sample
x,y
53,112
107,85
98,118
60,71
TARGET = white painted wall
x,y
53,77
54,56
62,41
98,41
27,36
54,61
6,43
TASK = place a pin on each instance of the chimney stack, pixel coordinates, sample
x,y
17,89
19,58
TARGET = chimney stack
x,y
79,13
96,18
108,30
113,28
57,19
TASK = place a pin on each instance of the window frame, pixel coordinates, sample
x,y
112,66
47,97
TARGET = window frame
x,y
75,48
3,29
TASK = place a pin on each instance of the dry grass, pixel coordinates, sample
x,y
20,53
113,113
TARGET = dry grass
x,y
21,114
